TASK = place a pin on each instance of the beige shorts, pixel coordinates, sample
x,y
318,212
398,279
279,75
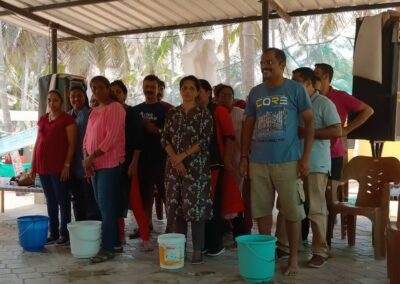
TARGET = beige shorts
x,y
282,178
315,187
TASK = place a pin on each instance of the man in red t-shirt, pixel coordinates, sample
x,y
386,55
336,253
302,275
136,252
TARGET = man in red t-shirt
x,y
345,104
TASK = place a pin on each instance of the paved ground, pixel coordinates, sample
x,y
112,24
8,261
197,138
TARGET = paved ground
x,y
56,265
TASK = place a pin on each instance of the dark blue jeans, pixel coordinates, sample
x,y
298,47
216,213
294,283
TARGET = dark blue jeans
x,y
106,185
58,200
83,201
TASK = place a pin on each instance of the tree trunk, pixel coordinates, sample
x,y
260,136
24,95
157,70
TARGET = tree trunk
x,y
3,88
25,86
247,52
273,30
226,54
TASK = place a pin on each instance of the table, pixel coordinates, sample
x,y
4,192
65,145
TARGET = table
x,y
16,188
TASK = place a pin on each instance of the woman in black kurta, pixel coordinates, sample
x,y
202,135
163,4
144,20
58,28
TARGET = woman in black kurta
x,y
186,139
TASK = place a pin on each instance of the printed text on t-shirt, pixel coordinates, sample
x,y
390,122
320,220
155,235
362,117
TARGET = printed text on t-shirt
x,y
271,122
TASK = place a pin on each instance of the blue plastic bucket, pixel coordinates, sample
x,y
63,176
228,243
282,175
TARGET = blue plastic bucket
x,y
32,232
256,255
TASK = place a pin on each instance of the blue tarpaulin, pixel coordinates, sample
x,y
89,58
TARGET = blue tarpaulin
x,y
18,140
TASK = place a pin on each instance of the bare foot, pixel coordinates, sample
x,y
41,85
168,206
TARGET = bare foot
x,y
292,268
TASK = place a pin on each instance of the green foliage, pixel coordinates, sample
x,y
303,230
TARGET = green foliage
x,y
306,40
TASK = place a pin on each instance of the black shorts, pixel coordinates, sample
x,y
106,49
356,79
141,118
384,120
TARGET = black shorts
x,y
336,168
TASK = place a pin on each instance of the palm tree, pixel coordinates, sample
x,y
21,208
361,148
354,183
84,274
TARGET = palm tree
x,y
21,56
3,87
225,46
82,58
247,52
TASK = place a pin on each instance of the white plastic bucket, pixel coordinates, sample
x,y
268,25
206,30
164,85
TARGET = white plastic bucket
x,y
85,238
171,248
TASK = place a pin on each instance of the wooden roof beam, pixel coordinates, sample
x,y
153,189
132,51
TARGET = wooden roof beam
x,y
279,10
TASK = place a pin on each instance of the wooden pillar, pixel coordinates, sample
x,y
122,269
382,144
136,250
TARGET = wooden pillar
x,y
265,24
53,49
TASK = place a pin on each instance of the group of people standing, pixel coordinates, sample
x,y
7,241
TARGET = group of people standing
x,y
201,158
112,157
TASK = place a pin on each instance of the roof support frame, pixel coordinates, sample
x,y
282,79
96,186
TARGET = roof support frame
x,y
44,21
265,4
54,50
61,5
272,15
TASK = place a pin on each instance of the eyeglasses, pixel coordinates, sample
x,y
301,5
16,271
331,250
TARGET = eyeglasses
x,y
267,62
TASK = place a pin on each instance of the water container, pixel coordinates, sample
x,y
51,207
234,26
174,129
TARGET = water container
x,y
32,232
85,238
37,181
256,255
171,249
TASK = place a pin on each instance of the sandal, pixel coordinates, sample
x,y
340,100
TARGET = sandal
x,y
197,258
102,256
146,246
119,249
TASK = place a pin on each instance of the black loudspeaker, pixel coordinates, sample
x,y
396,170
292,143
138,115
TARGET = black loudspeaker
x,y
61,83
383,97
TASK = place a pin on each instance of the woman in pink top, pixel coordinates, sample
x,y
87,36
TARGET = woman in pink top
x,y
104,148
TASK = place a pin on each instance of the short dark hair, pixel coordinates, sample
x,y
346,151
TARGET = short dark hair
x,y
77,88
218,88
161,83
120,85
81,88
102,79
57,93
279,54
326,68
190,78
306,74
205,85
151,77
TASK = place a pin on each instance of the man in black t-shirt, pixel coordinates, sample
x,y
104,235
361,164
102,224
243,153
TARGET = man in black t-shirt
x,y
153,157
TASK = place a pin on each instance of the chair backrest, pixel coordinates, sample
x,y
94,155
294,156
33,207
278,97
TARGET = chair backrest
x,y
372,174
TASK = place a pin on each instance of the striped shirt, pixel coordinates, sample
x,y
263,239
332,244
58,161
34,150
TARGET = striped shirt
x,y
106,131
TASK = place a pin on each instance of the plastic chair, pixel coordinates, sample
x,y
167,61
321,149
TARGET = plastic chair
x,y
373,176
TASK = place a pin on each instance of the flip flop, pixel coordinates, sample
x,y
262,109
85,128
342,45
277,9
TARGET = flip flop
x,y
101,257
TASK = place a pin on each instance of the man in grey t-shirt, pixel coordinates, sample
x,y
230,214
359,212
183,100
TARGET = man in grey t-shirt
x,y
327,126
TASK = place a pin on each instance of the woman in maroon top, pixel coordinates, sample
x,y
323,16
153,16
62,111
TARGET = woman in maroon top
x,y
52,157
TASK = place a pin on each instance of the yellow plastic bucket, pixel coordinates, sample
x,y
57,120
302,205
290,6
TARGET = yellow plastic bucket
x,y
171,248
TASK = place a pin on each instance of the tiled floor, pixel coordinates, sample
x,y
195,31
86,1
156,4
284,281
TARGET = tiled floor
x,y
56,265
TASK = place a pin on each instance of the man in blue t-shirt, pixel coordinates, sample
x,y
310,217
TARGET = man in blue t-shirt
x,y
327,126
274,109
